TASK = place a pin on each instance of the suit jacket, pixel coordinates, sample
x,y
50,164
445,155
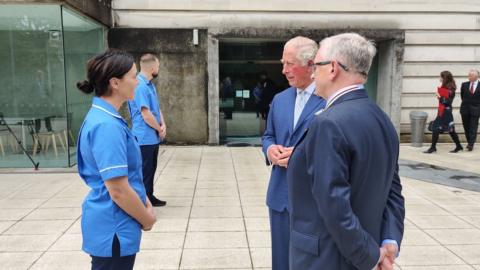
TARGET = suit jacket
x,y
470,103
280,131
344,189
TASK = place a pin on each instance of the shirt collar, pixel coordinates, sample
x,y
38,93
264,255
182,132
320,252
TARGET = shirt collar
x,y
309,90
102,105
142,77
342,91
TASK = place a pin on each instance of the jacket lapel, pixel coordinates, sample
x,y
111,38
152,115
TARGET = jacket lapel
x,y
290,111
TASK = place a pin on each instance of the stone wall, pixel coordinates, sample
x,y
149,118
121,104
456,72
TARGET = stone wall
x,y
182,81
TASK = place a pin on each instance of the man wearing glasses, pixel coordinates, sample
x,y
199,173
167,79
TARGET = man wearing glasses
x,y
345,201
289,116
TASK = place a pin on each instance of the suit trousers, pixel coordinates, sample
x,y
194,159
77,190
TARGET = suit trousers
x,y
470,125
280,233
115,262
149,166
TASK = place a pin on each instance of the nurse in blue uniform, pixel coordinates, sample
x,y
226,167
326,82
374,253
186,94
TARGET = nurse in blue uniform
x,y
116,209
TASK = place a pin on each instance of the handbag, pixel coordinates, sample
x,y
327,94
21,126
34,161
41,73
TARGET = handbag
x,y
430,126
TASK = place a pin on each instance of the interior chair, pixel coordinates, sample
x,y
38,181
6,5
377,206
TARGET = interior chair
x,y
56,132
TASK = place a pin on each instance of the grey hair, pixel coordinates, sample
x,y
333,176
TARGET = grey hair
x,y
350,49
306,48
475,71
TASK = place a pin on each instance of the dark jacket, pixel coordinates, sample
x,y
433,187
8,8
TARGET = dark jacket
x,y
470,103
344,189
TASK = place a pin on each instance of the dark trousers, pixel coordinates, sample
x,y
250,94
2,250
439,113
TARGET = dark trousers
x,y
115,262
453,135
470,125
280,233
149,166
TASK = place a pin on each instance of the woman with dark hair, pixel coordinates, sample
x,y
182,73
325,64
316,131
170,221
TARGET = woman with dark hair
x,y
109,161
444,121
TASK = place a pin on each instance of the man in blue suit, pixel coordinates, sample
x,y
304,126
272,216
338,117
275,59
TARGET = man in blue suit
x,y
289,116
345,200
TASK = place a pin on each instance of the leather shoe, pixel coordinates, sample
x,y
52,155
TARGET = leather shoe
x,y
457,149
156,202
430,150
469,147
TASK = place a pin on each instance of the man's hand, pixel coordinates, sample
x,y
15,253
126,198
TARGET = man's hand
x,y
388,253
163,131
285,156
274,153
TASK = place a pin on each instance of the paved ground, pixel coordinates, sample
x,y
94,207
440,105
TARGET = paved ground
x,y
216,216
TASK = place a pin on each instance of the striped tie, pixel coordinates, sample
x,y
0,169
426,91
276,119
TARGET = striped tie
x,y
299,104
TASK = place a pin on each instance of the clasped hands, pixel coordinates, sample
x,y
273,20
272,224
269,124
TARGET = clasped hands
x,y
388,253
279,155
162,132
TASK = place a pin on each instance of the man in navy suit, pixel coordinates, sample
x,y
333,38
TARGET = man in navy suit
x,y
345,200
470,107
290,114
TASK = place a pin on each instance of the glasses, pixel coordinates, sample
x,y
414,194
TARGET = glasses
x,y
344,67
323,63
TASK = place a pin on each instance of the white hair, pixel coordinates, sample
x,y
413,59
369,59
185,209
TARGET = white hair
x,y
475,71
350,49
305,47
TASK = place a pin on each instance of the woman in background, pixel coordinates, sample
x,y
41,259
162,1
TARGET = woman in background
x,y
109,161
444,121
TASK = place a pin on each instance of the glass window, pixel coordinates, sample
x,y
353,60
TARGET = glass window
x,y
82,39
38,74
32,96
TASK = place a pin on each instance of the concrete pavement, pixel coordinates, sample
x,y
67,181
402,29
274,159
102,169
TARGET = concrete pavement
x,y
216,216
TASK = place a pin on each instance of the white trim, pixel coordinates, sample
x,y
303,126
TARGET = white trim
x,y
342,92
100,108
113,167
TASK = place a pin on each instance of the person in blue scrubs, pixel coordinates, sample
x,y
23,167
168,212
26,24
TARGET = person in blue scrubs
x,y
116,209
148,125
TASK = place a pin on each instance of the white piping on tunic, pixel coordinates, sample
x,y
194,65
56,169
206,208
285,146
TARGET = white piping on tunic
x,y
100,108
113,167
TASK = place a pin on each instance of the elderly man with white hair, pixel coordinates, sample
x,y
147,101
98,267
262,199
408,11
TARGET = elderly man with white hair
x,y
345,201
290,114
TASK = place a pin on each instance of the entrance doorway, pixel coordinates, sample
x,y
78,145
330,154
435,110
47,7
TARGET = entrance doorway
x,y
250,74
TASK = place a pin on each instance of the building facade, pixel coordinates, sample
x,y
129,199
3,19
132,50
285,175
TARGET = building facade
x,y
214,55
416,40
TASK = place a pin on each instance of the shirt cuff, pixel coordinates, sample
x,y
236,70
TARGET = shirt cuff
x,y
384,242
391,241
266,154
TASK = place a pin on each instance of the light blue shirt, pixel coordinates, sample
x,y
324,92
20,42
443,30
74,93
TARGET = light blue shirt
x,y
106,149
145,96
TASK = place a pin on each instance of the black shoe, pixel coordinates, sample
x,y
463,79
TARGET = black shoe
x,y
156,202
457,149
430,150
469,147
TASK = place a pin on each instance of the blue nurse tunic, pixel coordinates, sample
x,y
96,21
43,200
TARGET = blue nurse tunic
x,y
107,149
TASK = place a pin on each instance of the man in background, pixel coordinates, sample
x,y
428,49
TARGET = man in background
x,y
470,107
148,125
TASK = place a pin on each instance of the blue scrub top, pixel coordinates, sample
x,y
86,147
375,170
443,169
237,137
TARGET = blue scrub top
x,y
107,149
145,96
